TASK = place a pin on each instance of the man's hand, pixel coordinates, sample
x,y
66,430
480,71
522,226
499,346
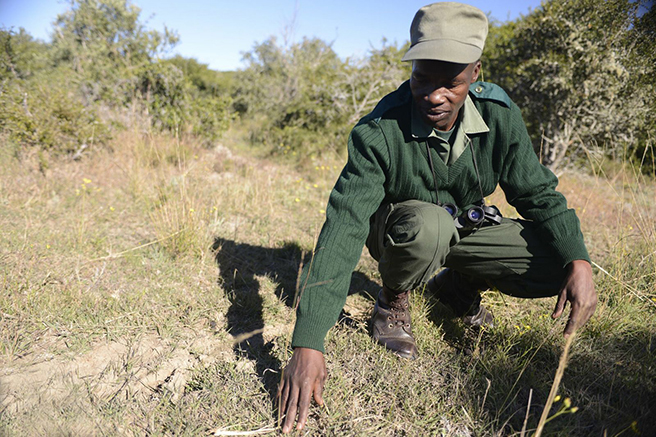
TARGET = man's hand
x,y
303,377
578,289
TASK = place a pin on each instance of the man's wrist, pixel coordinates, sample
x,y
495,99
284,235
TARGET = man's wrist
x,y
578,263
304,348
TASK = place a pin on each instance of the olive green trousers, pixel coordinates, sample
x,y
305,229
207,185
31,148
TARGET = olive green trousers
x,y
412,240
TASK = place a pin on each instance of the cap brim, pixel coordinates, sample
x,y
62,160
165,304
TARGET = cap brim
x,y
444,50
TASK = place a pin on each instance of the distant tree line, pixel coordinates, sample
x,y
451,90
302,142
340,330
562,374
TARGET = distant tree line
x,y
583,72
103,71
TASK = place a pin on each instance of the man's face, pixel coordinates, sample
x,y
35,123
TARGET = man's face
x,y
440,88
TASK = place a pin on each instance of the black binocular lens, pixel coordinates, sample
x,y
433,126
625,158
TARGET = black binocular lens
x,y
451,209
475,215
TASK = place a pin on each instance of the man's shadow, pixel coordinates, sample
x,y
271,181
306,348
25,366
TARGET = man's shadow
x,y
240,265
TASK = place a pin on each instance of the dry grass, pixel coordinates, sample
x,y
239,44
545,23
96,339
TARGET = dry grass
x,y
147,290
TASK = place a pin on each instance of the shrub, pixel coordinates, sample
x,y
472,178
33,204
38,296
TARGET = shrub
x,y
48,117
577,69
305,100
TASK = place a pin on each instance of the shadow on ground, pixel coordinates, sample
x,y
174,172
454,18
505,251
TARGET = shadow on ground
x,y
609,377
611,380
240,265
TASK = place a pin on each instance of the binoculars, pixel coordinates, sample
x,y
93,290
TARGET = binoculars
x,y
474,216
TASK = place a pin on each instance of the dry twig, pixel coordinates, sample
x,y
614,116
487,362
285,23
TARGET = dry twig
x,y
554,387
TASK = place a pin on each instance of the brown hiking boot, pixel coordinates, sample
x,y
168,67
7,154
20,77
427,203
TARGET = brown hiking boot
x,y
462,294
391,325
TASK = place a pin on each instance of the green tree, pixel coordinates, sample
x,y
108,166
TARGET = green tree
x,y
37,107
574,67
106,46
117,61
365,81
207,81
21,55
177,104
288,92
102,56
642,36
304,99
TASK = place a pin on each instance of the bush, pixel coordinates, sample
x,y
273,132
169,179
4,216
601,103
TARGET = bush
x,y
305,100
48,117
577,69
102,57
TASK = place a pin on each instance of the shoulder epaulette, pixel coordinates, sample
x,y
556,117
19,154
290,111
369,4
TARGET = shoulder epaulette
x,y
489,91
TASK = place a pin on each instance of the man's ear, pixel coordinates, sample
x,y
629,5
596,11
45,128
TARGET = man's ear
x,y
476,72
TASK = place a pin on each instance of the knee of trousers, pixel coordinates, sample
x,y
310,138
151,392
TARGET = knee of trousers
x,y
416,241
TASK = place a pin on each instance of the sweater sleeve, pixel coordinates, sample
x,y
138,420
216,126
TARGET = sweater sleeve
x,y
357,194
531,188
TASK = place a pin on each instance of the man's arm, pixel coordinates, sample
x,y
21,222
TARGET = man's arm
x,y
531,188
357,194
577,289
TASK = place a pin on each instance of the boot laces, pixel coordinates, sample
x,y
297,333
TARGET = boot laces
x,y
398,311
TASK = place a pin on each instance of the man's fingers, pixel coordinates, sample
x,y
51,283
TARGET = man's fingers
x,y
590,307
304,404
571,325
578,289
283,395
560,305
570,328
587,314
305,373
318,393
290,407
574,316
580,314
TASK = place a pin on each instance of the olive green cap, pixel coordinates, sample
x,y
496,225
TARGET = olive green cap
x,y
447,31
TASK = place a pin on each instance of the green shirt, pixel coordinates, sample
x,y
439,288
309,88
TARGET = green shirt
x,y
387,162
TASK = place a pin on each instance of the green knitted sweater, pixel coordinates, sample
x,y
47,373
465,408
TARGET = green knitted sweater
x,y
387,164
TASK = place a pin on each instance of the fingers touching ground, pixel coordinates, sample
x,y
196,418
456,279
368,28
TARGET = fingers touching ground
x,y
304,406
303,377
289,411
578,289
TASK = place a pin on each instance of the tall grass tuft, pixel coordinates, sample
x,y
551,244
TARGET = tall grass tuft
x,y
179,219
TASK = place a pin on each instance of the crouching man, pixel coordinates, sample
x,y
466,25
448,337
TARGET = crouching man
x,y
419,168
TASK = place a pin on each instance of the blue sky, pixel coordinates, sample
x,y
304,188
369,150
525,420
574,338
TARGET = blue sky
x,y
218,32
